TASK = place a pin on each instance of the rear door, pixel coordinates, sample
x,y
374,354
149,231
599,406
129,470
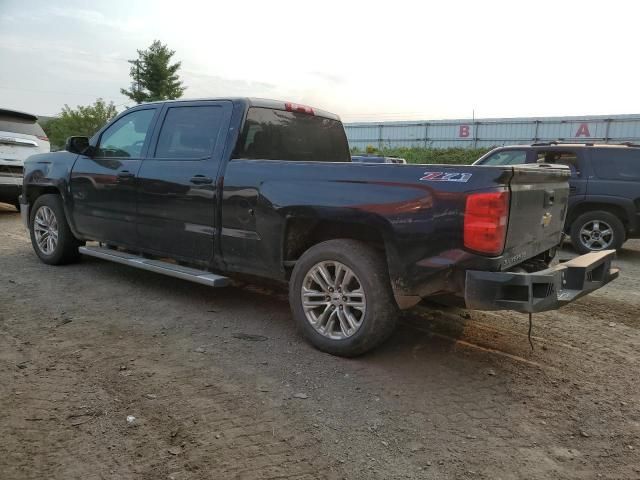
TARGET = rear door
x,y
617,171
103,185
177,182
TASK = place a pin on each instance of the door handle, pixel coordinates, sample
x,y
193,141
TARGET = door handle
x,y
124,174
201,180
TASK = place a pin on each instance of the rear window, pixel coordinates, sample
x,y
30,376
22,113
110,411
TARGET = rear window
x,y
617,163
278,135
9,123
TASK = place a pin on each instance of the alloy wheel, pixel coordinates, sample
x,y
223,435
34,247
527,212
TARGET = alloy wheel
x,y
596,235
45,229
333,299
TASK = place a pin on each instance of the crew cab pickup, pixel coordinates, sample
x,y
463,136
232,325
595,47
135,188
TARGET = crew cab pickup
x,y
202,190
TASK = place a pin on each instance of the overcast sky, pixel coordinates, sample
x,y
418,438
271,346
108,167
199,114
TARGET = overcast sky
x,y
388,60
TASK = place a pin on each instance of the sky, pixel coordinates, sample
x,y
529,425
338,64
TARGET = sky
x,y
364,60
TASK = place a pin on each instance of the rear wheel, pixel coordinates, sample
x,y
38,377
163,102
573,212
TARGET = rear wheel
x,y
51,237
596,231
341,297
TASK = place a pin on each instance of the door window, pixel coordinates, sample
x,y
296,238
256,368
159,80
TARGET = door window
x,y
126,136
189,133
570,159
507,157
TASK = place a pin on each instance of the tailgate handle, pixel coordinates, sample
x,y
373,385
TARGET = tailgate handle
x,y
549,197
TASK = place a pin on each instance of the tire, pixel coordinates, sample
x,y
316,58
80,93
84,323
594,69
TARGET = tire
x,y
369,314
598,223
47,215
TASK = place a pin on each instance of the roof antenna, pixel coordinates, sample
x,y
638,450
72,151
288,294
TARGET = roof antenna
x,y
530,326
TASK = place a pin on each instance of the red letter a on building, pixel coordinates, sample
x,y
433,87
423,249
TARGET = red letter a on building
x,y
583,130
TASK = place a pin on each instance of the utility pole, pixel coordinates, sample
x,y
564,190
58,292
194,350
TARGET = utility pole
x,y
138,79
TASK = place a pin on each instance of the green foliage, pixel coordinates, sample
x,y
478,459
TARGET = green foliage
x,y
459,156
83,121
153,77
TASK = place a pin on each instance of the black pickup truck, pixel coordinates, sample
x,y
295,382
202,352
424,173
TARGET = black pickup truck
x,y
204,189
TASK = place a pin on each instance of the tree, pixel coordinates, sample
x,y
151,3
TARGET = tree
x,y
84,120
153,77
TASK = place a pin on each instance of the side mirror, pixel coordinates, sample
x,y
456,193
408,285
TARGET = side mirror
x,y
77,144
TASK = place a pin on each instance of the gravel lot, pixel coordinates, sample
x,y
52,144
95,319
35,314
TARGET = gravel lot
x,y
221,386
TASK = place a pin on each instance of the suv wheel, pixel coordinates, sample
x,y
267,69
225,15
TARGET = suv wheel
x,y
341,297
596,231
51,237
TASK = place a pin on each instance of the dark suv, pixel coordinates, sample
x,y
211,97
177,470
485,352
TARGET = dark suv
x,y
604,201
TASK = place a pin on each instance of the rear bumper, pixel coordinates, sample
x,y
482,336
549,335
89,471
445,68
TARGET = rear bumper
x,y
547,289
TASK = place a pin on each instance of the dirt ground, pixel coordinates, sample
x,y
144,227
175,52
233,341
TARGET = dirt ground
x,y
221,385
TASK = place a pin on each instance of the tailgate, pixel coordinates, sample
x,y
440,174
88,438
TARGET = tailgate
x,y
539,195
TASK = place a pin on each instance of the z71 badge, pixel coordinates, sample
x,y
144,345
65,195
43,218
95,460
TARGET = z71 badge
x,y
446,177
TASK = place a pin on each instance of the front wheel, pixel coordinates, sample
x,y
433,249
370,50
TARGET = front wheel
x,y
341,297
51,236
596,231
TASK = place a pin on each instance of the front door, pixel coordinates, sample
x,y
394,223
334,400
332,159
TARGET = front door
x,y
103,185
177,181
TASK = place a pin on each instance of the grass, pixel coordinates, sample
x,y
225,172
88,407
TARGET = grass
x,y
457,156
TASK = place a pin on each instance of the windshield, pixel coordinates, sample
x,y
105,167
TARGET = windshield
x,y
270,134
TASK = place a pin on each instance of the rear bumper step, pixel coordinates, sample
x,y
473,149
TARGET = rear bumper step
x,y
185,273
547,289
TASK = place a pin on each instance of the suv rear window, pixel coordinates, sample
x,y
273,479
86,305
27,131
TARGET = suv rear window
x,y
617,163
270,134
9,123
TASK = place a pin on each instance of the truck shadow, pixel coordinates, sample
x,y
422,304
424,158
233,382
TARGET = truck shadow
x,y
428,333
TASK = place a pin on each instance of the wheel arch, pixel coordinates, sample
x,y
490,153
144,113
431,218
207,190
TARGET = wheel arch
x,y
300,234
589,206
32,192
303,233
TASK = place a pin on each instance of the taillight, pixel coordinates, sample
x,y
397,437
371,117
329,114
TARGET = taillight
x,y
485,222
294,107
43,138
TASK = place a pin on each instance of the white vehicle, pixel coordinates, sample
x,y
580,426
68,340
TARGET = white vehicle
x,y
20,137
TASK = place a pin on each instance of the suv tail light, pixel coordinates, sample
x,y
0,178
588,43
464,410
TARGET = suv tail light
x,y
44,138
485,222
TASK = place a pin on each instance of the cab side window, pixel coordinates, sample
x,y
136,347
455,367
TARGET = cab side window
x,y
126,136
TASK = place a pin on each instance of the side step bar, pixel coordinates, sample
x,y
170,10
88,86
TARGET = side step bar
x,y
185,273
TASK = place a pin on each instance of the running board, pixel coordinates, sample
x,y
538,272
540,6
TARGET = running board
x,y
185,273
